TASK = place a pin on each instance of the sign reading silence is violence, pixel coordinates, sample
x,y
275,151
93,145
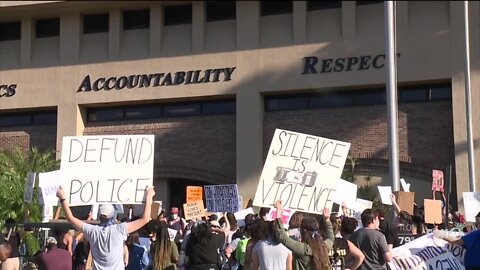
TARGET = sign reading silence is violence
x,y
301,170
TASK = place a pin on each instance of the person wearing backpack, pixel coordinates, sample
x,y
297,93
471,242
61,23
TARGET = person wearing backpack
x,y
236,249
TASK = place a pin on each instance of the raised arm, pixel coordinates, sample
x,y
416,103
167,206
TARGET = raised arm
x,y
329,229
137,224
395,204
297,248
77,223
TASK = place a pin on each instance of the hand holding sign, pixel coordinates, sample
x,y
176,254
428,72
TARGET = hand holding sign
x,y
150,192
61,193
279,207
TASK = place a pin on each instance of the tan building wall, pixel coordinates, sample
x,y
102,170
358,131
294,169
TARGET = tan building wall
x,y
266,52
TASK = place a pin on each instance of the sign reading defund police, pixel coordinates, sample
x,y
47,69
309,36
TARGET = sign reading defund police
x,y
107,169
301,170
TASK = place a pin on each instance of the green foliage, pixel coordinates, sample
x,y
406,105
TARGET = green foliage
x,y
365,191
13,171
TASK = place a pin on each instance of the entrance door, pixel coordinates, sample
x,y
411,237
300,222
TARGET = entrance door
x,y
178,191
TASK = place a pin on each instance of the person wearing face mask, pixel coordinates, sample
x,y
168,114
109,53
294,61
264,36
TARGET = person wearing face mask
x,y
107,238
177,223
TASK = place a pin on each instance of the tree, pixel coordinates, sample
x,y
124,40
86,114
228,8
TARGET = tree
x,y
14,166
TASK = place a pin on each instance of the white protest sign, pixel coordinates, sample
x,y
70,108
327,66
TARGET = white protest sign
x,y
405,186
345,192
385,192
240,216
47,213
425,252
471,202
222,198
29,184
362,205
107,169
302,171
49,183
172,233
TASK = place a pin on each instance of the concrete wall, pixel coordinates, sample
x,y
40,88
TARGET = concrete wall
x,y
266,51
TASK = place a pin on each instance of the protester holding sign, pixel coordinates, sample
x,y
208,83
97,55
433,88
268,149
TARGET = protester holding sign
x,y
471,242
106,240
312,251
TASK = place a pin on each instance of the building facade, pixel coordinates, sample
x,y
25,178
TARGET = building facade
x,y
212,80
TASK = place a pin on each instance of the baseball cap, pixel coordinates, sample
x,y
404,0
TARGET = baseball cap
x,y
174,210
107,210
214,223
51,240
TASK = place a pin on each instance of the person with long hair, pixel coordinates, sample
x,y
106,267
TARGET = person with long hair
x,y
268,253
294,225
164,252
312,251
204,245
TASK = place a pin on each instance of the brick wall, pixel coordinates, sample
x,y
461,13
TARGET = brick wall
x,y
43,137
425,131
198,148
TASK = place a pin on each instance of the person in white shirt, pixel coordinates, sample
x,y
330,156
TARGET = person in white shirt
x,y
107,239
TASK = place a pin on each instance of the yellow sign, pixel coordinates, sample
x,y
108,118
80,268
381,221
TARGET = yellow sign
x,y
194,210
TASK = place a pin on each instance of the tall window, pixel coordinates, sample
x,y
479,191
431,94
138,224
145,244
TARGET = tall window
x,y
10,31
275,7
178,14
47,28
95,23
136,19
220,10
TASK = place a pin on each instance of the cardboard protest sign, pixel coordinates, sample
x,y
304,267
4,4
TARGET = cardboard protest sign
x,y
405,201
29,184
286,215
49,183
222,198
345,192
385,192
471,202
193,210
156,208
194,193
302,171
240,216
425,252
362,205
107,169
438,181
433,211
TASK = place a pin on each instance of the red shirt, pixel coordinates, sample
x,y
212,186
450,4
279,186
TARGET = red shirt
x,y
54,259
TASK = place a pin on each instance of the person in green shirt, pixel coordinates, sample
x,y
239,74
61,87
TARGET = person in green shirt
x,y
311,253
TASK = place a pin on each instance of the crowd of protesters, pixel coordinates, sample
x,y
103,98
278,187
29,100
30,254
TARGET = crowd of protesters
x,y
217,242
